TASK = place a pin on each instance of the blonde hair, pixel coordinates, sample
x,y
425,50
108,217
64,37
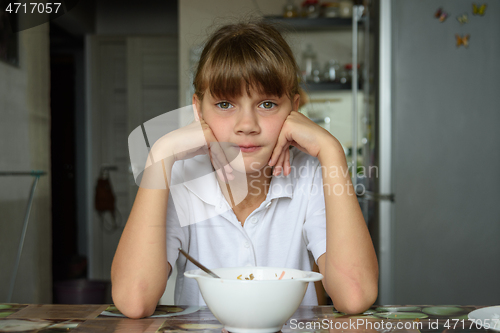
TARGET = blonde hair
x,y
251,53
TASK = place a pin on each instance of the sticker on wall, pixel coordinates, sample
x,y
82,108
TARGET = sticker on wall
x,y
462,19
441,15
462,40
478,10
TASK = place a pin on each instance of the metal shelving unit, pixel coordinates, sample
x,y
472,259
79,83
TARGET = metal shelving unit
x,y
311,24
302,24
36,174
327,86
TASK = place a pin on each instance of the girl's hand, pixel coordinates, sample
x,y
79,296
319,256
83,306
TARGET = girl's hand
x,y
303,133
189,141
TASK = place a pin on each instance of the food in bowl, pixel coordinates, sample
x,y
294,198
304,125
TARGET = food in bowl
x,y
253,299
251,277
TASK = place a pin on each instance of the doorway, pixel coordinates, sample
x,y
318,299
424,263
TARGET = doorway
x,y
67,260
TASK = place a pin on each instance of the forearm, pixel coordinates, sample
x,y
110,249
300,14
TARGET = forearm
x,y
140,271
351,268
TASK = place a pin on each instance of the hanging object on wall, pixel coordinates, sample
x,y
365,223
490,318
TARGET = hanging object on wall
x,y
478,10
104,201
441,15
462,40
462,19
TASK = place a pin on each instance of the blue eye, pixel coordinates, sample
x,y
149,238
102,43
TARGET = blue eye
x,y
268,105
224,105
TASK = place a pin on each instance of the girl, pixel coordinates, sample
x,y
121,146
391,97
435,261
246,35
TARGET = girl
x,y
300,206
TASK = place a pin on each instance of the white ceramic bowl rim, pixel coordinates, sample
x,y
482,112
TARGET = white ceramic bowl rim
x,y
310,276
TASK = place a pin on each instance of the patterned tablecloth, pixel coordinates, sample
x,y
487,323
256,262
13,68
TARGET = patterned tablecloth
x,y
106,318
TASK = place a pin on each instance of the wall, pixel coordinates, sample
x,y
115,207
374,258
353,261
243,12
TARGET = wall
x,y
24,146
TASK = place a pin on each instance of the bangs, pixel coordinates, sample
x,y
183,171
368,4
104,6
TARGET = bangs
x,y
246,60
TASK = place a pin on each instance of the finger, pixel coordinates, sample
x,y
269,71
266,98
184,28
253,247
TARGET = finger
x,y
217,154
215,149
282,159
225,177
222,168
278,149
221,175
220,156
284,162
279,164
288,167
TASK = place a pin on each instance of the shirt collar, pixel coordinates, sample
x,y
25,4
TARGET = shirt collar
x,y
199,178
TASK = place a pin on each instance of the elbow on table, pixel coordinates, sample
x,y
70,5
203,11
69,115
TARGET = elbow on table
x,y
352,307
133,307
357,303
136,312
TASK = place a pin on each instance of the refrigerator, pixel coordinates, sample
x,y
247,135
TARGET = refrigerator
x,y
433,208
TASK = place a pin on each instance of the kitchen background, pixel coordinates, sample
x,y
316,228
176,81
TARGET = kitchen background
x,y
427,111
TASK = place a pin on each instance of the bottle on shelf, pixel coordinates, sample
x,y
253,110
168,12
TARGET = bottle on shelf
x,y
290,10
345,7
330,9
346,74
331,71
308,60
316,72
310,8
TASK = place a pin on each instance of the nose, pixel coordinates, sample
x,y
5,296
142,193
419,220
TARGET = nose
x,y
247,122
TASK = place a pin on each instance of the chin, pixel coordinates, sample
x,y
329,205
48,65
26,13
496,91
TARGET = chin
x,y
248,166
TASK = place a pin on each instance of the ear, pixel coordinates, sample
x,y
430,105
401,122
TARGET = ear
x,y
296,102
196,107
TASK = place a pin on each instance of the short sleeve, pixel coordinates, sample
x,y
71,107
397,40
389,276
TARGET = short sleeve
x,y
175,233
315,223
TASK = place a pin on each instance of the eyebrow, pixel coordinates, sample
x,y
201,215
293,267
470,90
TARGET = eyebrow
x,y
254,96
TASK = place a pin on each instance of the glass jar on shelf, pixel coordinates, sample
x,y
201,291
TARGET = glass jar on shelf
x,y
345,7
308,60
330,9
310,8
290,10
344,75
331,71
316,72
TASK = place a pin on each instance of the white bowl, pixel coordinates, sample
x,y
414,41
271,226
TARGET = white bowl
x,y
260,305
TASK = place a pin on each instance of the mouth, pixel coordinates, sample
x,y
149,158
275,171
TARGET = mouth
x,y
249,149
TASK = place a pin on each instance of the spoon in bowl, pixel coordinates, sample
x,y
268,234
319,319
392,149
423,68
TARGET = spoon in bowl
x,y
194,261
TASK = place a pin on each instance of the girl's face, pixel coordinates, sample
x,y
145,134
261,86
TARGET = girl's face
x,y
249,124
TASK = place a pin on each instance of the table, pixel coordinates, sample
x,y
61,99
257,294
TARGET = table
x,y
315,319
